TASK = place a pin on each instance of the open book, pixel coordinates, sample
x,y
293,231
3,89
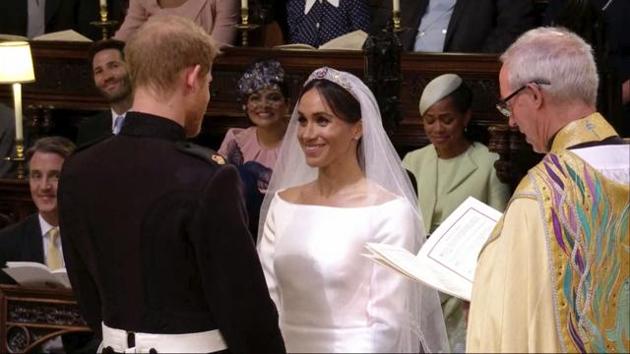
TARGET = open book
x,y
66,36
349,41
37,274
448,259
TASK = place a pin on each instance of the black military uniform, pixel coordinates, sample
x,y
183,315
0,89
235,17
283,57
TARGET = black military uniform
x,y
155,239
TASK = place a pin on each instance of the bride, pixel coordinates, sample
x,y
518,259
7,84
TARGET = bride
x,y
338,183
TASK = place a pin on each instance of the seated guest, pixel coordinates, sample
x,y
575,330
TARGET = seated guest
x,y
111,78
457,25
451,169
217,17
255,149
316,22
37,238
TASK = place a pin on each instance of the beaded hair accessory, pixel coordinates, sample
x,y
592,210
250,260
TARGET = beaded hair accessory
x,y
260,75
326,73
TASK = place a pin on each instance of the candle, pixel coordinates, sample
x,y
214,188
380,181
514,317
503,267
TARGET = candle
x,y
17,102
244,4
396,5
103,3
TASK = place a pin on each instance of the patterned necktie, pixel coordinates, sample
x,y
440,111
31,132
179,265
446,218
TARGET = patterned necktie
x,y
53,260
118,122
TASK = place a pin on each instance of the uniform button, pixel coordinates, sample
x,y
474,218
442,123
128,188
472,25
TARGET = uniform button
x,y
317,25
421,34
443,31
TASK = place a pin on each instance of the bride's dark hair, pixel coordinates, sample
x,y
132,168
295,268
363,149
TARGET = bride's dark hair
x,y
340,101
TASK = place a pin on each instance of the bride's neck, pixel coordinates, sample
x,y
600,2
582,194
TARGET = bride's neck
x,y
332,181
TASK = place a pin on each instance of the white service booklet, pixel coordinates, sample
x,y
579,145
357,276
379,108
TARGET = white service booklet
x,y
37,274
448,259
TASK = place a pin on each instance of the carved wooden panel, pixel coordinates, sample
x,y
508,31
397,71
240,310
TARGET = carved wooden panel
x,y
31,316
15,201
64,82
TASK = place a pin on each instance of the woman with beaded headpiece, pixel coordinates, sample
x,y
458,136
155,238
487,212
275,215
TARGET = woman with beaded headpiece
x,y
254,150
338,184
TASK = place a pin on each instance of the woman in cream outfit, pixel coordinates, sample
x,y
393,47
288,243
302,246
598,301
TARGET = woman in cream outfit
x,y
217,17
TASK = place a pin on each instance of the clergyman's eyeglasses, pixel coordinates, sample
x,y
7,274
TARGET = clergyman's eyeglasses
x,y
502,105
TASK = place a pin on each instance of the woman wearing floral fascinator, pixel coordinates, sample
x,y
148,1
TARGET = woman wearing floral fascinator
x,y
254,150
338,184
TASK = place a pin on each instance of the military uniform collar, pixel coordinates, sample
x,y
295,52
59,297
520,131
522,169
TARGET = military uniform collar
x,y
591,128
149,125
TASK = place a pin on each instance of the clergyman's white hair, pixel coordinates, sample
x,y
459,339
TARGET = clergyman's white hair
x,y
557,55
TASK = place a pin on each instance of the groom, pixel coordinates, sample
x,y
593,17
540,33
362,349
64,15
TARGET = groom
x,y
155,232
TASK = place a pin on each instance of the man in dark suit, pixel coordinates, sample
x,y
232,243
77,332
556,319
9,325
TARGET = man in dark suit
x,y
58,15
155,231
36,238
111,78
488,26
32,239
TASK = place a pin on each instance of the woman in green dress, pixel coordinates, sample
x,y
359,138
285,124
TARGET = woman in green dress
x,y
450,169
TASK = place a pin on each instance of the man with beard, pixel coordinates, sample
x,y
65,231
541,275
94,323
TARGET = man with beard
x,y
112,80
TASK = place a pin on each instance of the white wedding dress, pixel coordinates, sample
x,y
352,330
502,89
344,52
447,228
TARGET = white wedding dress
x,y
330,297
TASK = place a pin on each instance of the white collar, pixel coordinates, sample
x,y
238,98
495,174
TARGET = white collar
x,y
309,4
44,225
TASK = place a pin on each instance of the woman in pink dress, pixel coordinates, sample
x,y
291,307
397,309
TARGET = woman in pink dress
x,y
255,149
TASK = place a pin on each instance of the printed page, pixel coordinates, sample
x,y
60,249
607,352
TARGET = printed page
x,y
456,243
62,277
34,274
295,46
349,41
65,36
448,259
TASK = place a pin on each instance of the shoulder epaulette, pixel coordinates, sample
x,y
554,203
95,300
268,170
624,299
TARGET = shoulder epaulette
x,y
204,153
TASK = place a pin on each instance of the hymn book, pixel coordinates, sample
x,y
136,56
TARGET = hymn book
x,y
65,36
37,275
349,41
448,259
